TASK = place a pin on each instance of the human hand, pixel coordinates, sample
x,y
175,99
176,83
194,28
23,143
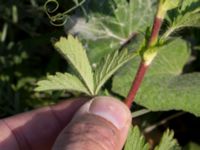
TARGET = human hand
x,y
99,124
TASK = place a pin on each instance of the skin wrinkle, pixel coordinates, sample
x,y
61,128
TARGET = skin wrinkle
x,y
103,136
42,121
105,133
58,121
24,142
68,110
40,129
10,135
14,134
48,111
6,125
44,133
79,138
86,142
97,143
23,139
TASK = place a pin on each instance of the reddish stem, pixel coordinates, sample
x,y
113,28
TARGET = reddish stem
x,y
136,83
155,31
143,66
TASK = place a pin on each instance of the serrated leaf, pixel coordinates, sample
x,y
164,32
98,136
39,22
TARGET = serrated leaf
x,y
135,140
73,51
188,15
164,86
189,5
61,81
168,142
111,29
109,65
170,4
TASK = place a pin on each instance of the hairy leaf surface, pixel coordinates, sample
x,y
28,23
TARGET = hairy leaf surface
x,y
170,4
135,140
112,26
167,142
188,15
73,51
62,81
109,65
164,86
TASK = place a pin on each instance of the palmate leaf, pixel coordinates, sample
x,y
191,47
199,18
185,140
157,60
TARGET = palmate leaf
x,y
167,142
73,51
111,27
62,81
188,15
109,65
164,86
135,140
132,16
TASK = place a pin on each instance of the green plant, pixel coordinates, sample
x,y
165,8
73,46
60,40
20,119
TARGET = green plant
x,y
60,18
20,26
167,142
126,39
86,80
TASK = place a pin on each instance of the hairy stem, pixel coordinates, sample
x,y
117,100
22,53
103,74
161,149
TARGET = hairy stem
x,y
136,83
144,64
155,31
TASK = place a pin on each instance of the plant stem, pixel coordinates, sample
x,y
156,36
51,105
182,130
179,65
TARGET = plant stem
x,y
140,113
154,126
136,83
155,31
128,41
144,64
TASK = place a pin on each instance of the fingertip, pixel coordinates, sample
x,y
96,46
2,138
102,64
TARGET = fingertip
x,y
65,110
109,108
99,119
112,110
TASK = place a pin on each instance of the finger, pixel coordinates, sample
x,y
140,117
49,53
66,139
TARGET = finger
x,y
38,129
100,124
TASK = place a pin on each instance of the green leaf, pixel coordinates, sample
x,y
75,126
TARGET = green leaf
x,y
189,5
111,29
135,140
167,142
73,51
164,86
170,4
188,15
192,146
109,65
62,81
132,16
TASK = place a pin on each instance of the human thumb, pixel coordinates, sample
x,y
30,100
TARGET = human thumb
x,y
100,124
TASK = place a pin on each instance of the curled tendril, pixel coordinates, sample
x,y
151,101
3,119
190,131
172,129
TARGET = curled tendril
x,y
61,18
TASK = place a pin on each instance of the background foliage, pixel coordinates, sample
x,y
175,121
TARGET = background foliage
x,y
26,55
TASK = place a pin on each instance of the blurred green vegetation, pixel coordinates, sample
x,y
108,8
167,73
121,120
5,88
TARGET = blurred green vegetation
x,y
27,55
